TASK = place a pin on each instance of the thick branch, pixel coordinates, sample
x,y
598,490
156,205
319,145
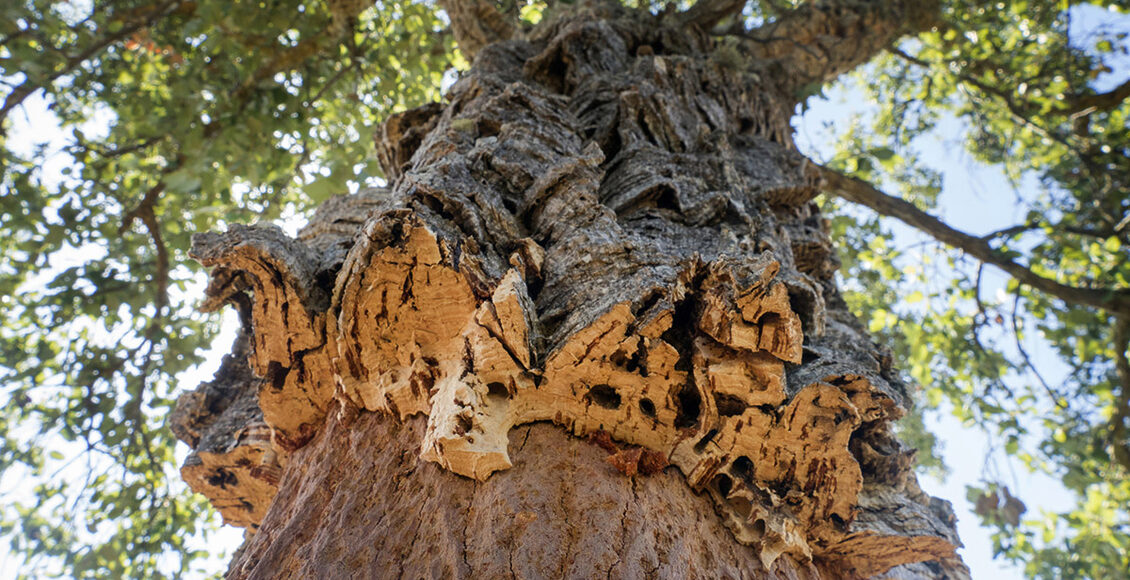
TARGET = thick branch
x,y
819,41
1114,300
476,24
707,13
1086,104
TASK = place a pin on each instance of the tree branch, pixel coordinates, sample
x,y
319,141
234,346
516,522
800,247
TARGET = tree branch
x,y
707,13
1113,300
1017,110
476,24
146,203
1077,107
819,41
1060,402
1087,104
1100,233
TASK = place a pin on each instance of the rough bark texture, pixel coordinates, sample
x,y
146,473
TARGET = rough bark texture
x,y
606,232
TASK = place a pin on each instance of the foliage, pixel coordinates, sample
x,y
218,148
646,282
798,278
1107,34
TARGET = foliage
x,y
1040,100
187,115
217,112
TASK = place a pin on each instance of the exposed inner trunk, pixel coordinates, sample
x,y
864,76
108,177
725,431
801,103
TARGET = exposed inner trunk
x,y
606,228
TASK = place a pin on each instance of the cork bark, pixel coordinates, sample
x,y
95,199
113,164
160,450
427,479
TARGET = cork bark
x,y
589,329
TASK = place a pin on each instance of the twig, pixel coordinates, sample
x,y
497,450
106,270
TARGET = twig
x,y
1113,300
1119,439
1055,397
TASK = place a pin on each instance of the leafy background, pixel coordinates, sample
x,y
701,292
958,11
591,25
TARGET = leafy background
x,y
128,125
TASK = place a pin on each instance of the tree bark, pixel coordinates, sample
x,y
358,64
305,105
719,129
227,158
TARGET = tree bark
x,y
590,329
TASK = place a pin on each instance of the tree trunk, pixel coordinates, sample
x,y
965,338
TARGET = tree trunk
x,y
590,330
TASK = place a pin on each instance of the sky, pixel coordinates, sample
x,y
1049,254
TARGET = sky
x,y
975,198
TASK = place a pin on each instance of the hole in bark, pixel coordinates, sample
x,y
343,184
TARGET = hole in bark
x,y
804,304
743,468
557,71
663,196
839,522
771,319
463,424
605,396
702,443
276,374
729,405
723,484
434,204
498,391
611,145
533,287
759,526
327,277
690,406
406,289
222,478
679,334
768,410
489,127
743,507
808,355
647,407
649,300
630,364
668,199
